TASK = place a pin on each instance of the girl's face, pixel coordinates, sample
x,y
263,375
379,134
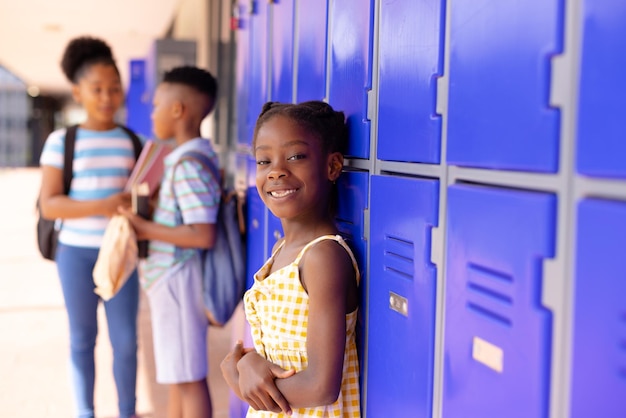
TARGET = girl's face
x,y
294,176
100,92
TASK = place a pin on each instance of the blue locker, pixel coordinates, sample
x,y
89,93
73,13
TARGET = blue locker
x,y
599,346
254,253
245,121
139,100
282,51
352,191
499,113
351,68
312,26
401,302
259,44
256,221
274,231
497,334
601,122
353,194
410,61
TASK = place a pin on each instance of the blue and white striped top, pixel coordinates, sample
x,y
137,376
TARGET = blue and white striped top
x,y
103,161
197,194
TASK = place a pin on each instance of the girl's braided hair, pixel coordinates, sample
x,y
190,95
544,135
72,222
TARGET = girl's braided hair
x,y
83,52
316,116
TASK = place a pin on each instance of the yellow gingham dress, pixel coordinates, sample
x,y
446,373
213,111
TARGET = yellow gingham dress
x,y
277,308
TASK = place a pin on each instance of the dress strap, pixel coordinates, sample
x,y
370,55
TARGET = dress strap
x,y
339,239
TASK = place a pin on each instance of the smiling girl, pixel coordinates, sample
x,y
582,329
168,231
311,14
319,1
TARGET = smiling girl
x,y
302,307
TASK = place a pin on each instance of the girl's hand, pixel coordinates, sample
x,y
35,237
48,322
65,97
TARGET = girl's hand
x,y
111,204
229,367
257,386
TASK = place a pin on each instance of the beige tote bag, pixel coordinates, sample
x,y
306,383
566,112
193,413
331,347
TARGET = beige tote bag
x,y
117,258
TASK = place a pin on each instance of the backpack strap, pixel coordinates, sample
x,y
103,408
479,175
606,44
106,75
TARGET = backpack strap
x,y
137,144
205,161
68,157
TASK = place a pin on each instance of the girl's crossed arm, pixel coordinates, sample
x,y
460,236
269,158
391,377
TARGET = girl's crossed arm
x,y
267,397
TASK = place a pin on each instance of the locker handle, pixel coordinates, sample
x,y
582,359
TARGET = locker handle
x,y
398,303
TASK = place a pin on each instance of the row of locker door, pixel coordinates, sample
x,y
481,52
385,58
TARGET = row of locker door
x,y
499,110
498,335
14,115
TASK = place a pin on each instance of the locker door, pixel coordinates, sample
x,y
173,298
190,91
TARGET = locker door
x,y
410,60
352,189
245,120
601,123
499,113
259,44
274,231
255,244
282,50
138,100
599,347
240,329
351,68
497,334
312,27
401,302
4,116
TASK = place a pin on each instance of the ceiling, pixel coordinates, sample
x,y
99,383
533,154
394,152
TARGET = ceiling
x,y
34,33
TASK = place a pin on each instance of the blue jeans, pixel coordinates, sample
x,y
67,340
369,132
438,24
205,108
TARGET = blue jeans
x,y
75,265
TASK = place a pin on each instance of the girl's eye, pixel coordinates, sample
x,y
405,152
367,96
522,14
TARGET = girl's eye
x,y
262,162
296,157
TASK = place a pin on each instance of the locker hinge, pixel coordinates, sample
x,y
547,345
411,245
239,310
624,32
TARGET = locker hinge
x,y
436,246
366,224
558,83
442,94
370,105
551,287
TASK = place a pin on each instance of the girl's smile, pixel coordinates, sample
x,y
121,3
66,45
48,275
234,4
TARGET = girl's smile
x,y
281,193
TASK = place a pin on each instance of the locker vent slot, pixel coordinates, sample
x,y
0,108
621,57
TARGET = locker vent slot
x,y
495,295
345,229
398,257
344,221
487,294
347,234
489,314
494,274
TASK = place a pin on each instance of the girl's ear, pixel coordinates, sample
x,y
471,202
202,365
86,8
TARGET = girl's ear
x,y
76,93
335,165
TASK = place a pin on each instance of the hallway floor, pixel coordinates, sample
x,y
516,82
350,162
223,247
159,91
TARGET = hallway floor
x,y
34,373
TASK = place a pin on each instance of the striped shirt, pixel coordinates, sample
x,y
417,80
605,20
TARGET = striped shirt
x,y
102,163
195,191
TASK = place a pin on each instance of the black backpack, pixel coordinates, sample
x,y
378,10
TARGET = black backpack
x,y
47,232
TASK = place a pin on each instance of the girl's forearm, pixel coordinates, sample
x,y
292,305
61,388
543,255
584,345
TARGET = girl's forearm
x,y
303,390
64,207
183,236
